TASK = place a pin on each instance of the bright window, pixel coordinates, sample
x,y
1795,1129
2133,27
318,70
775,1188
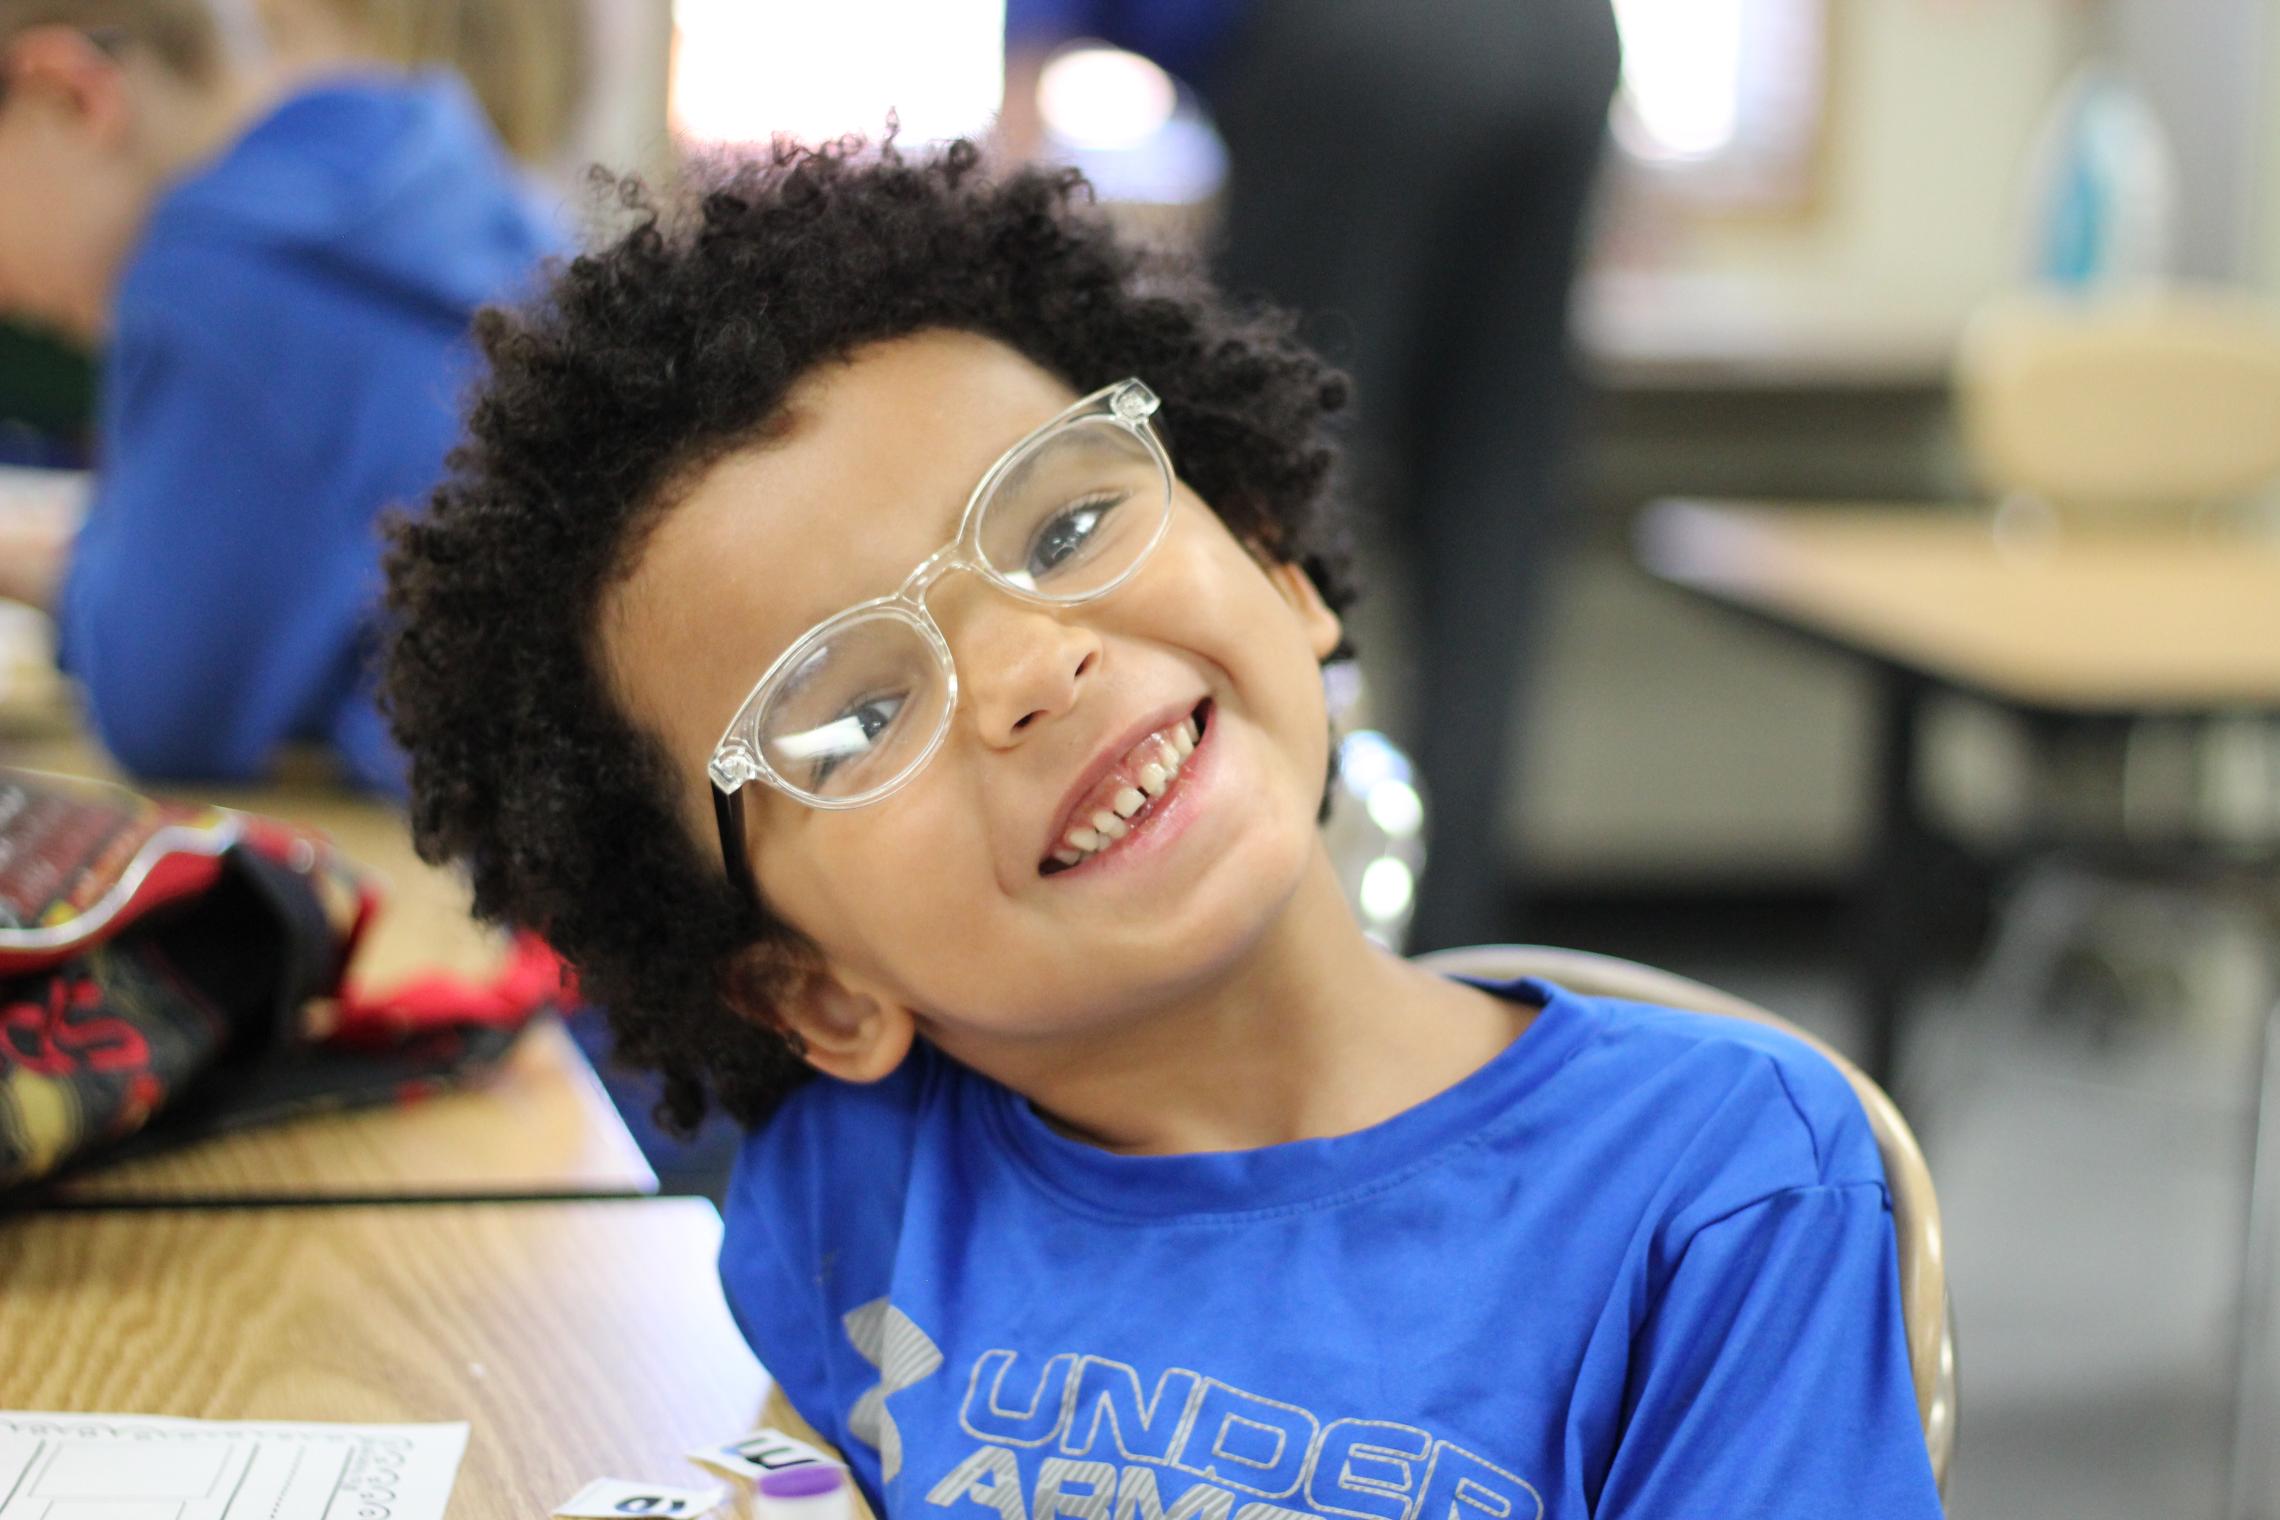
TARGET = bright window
x,y
1722,100
744,70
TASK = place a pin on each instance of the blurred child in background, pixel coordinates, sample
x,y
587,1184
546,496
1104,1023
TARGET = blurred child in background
x,y
277,239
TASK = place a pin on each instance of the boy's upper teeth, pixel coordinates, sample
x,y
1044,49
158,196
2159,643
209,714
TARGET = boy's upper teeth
x,y
1146,772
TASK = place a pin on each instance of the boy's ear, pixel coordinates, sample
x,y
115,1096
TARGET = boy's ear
x,y
841,1024
62,65
1323,629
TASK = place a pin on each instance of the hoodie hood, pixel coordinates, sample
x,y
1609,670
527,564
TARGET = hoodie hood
x,y
394,184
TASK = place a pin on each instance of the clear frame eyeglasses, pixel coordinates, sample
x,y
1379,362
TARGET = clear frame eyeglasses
x,y
860,702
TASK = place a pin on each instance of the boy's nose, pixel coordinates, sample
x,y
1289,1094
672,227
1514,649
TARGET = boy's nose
x,y
1016,662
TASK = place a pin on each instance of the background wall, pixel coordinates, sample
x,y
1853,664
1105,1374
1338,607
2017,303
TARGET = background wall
x,y
2264,159
1932,106
1671,745
2201,64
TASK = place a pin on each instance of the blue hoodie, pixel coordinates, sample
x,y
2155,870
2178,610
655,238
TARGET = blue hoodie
x,y
289,349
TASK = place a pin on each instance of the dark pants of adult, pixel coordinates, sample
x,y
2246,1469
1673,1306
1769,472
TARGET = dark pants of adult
x,y
1413,177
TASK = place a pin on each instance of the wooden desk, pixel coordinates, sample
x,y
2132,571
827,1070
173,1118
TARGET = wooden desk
x,y
2123,622
2089,625
542,1128
578,1340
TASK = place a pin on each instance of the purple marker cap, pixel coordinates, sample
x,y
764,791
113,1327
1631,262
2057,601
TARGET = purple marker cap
x,y
802,1482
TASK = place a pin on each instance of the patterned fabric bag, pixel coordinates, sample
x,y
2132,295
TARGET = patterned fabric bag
x,y
169,970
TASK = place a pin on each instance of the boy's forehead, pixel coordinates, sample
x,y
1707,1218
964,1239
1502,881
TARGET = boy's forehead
x,y
925,399
871,455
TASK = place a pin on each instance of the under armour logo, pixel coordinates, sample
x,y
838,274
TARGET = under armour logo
x,y
885,1337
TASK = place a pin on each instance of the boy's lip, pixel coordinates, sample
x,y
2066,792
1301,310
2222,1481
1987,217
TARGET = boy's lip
x,y
1105,761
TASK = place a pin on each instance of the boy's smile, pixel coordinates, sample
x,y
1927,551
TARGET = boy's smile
x,y
1133,793
957,897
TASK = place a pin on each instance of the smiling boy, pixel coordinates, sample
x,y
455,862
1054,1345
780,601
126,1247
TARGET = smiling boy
x,y
875,632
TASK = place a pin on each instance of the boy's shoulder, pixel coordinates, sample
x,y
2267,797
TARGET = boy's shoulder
x,y
826,1121
1654,1035
1746,1109
836,1151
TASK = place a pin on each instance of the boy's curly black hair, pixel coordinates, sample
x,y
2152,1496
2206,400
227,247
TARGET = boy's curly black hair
x,y
644,364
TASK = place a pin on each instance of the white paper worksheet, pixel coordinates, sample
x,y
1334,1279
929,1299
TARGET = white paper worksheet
x,y
146,1467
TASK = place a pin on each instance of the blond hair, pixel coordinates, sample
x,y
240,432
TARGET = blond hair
x,y
526,60
193,38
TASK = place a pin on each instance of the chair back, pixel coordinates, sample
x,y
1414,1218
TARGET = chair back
x,y
2155,400
1915,1210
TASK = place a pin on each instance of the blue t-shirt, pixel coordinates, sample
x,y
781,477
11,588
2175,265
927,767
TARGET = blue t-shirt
x,y
286,362
1639,1264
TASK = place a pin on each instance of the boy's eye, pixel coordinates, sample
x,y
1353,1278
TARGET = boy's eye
x,y
853,734
1064,537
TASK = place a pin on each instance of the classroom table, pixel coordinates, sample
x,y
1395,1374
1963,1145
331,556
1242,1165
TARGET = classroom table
x,y
2081,625
578,1340
543,1126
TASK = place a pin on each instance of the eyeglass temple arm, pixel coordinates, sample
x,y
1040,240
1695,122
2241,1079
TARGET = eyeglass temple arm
x,y
728,813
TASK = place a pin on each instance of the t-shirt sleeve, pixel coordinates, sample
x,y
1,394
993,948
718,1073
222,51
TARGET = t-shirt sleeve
x,y
1771,1375
779,1313
809,1236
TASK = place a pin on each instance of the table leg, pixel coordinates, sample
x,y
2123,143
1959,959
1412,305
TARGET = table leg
x,y
1888,943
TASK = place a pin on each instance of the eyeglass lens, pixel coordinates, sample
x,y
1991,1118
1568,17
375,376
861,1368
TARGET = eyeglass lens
x,y
1063,521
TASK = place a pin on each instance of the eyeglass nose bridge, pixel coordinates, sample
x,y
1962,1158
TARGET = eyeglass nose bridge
x,y
960,556
941,562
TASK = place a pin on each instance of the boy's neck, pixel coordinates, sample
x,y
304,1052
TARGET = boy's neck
x,y
1320,1032
184,127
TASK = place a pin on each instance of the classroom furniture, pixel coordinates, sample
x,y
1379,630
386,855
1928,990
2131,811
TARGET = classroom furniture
x,y
2080,627
2086,626
543,1127
2157,406
2151,409
578,1340
2144,404
1915,1208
